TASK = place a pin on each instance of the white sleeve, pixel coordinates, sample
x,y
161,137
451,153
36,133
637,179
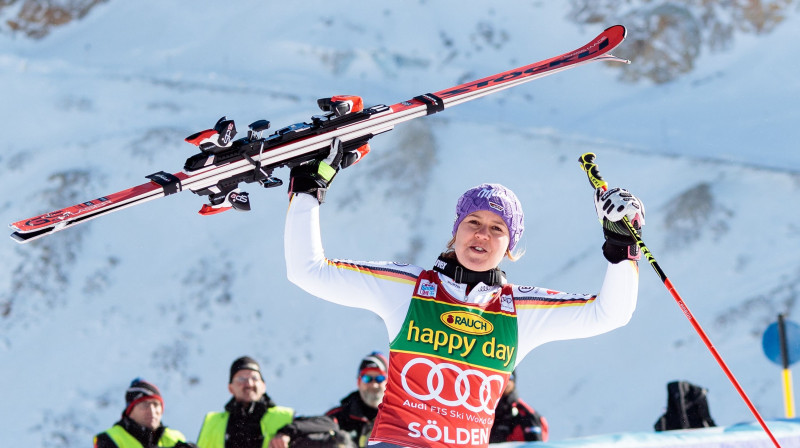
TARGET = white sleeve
x,y
382,287
544,315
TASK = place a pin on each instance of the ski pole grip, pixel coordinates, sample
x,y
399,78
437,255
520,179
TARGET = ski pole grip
x,y
590,168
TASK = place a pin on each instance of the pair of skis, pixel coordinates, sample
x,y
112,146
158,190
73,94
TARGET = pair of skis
x,y
224,163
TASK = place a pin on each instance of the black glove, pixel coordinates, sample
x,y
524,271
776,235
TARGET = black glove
x,y
612,206
314,177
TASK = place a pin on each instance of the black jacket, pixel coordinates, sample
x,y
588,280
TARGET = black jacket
x,y
515,421
244,422
355,418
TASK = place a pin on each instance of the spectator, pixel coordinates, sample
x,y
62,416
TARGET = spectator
x,y
251,419
140,426
514,420
356,412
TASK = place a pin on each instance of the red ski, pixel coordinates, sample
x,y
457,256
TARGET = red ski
x,y
224,163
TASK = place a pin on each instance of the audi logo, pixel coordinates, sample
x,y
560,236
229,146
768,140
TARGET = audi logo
x,y
461,386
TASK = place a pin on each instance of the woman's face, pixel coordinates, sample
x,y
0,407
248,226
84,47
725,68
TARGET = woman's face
x,y
481,241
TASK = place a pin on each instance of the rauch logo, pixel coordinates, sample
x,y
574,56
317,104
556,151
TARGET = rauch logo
x,y
467,322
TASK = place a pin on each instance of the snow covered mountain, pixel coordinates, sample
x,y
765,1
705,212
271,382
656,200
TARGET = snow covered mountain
x,y
702,126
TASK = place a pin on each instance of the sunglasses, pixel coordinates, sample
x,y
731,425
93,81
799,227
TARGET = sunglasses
x,y
247,379
371,378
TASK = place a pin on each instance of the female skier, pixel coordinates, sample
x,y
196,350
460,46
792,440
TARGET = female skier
x,y
458,330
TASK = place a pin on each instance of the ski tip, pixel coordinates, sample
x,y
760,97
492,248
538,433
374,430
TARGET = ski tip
x,y
611,37
617,29
26,237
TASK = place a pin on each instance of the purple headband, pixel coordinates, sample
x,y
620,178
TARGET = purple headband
x,y
494,198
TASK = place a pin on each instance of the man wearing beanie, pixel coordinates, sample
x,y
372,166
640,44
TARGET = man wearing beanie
x,y
140,426
251,419
356,412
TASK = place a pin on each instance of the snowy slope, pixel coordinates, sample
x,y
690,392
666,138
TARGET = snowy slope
x,y
160,292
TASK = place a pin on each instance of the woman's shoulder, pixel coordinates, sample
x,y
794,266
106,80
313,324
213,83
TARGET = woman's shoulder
x,y
528,293
532,298
392,269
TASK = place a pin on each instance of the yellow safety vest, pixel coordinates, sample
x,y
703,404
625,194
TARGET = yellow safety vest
x,y
124,439
212,433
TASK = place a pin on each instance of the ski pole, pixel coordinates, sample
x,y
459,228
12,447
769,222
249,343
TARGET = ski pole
x,y
590,168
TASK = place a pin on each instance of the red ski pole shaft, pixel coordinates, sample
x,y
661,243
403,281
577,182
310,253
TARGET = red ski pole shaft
x,y
590,168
